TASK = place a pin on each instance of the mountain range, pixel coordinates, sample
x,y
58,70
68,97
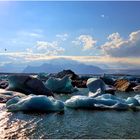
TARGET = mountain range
x,y
56,65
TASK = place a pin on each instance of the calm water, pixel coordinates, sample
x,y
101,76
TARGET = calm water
x,y
71,124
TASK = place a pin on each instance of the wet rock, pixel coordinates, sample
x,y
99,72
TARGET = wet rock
x,y
124,85
27,85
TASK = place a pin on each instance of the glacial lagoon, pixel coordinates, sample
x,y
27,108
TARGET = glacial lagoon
x,y
71,123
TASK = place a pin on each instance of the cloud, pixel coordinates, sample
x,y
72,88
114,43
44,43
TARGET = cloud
x,y
116,46
103,16
101,61
63,37
34,34
86,41
49,48
29,50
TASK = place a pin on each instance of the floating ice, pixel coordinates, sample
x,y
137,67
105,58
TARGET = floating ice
x,y
132,101
58,85
27,85
97,93
35,103
14,100
106,101
96,86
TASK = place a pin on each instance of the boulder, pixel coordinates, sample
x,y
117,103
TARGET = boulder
x,y
27,85
58,85
124,85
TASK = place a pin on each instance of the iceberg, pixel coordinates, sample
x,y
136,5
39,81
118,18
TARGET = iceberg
x,y
39,103
58,85
27,85
106,101
132,101
94,84
79,101
13,101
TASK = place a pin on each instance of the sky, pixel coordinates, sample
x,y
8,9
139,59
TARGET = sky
x,y
93,32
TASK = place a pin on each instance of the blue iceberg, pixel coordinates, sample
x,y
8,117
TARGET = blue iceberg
x,y
27,85
58,85
106,101
39,103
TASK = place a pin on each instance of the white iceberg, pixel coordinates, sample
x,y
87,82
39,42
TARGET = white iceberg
x,y
58,85
35,103
106,101
94,84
